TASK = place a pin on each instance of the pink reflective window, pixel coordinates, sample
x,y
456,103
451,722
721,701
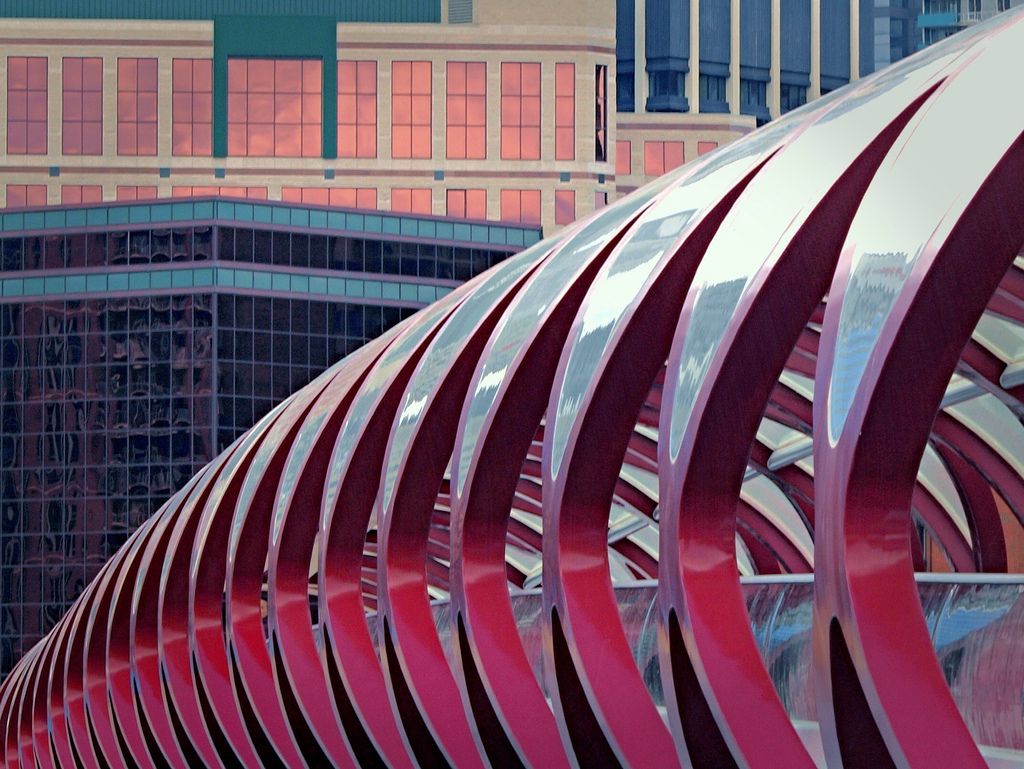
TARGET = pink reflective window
x,y
252,193
411,201
565,112
662,157
466,105
188,192
22,195
601,113
600,199
135,192
705,147
520,206
623,157
81,193
362,197
26,105
136,106
675,156
339,197
357,109
654,158
274,107
565,206
467,204
410,109
82,106
520,111
192,107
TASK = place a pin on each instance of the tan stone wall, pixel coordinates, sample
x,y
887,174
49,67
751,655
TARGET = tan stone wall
x,y
493,45
504,40
567,15
164,41
502,32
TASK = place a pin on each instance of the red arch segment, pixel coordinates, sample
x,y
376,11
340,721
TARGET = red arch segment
x,y
737,368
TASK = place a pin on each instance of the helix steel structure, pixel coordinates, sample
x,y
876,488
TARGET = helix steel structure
x,y
801,353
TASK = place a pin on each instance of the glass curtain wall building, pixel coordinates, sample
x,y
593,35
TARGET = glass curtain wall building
x,y
139,341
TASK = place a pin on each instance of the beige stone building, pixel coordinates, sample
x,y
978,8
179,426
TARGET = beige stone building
x,y
526,111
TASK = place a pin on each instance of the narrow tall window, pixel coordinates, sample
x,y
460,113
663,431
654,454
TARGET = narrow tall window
x,y
565,111
601,112
357,109
82,107
520,111
136,106
192,107
411,201
410,109
26,105
565,206
467,110
520,206
467,204
274,108
623,157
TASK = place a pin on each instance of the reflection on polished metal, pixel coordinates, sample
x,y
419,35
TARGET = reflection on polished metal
x,y
658,392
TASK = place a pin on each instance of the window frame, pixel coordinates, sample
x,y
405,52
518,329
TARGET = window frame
x,y
565,206
601,113
34,128
268,101
513,104
89,107
197,100
28,191
468,201
513,198
412,139
76,194
361,97
661,147
459,117
623,168
415,200
130,97
565,125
